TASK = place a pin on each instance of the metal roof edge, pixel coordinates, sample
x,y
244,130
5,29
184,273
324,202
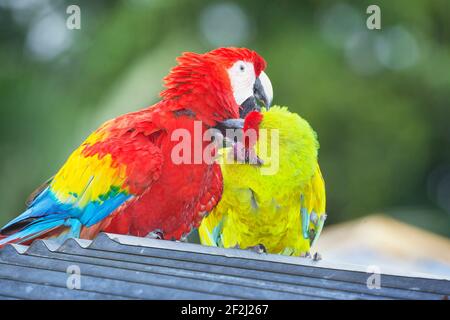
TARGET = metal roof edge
x,y
238,253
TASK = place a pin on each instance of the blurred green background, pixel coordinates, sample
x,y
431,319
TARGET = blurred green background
x,y
379,99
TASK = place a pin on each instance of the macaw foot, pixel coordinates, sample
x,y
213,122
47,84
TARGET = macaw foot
x,y
317,257
259,248
157,234
305,255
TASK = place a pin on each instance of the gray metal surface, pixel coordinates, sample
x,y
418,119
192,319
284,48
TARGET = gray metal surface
x,y
123,267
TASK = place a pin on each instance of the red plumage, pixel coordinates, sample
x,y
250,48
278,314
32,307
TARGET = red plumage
x,y
181,194
197,89
123,179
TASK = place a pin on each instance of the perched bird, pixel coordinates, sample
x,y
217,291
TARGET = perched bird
x,y
280,212
123,178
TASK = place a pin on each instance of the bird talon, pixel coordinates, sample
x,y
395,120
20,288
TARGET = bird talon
x,y
156,234
305,255
259,248
317,257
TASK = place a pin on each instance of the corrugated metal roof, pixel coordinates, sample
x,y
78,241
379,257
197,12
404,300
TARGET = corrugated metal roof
x,y
124,267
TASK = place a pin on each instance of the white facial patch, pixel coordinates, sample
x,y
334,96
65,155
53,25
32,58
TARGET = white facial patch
x,y
242,78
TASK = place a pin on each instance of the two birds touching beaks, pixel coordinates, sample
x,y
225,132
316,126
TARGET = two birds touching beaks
x,y
122,179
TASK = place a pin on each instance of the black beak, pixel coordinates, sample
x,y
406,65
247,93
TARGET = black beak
x,y
262,92
233,125
230,124
248,106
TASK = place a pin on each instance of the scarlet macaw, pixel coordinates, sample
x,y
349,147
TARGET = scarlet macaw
x,y
122,178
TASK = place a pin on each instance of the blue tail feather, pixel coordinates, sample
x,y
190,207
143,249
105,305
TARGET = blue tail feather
x,y
45,204
46,213
34,230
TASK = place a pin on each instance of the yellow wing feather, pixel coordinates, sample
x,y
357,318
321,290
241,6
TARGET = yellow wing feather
x,y
315,202
85,178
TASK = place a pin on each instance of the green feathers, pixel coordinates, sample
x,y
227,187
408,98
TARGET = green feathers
x,y
279,204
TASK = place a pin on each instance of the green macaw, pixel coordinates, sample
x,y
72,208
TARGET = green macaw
x,y
282,211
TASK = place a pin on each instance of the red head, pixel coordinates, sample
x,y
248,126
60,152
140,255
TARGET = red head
x,y
229,56
220,84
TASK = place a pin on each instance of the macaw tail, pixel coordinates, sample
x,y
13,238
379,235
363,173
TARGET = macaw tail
x,y
45,217
25,231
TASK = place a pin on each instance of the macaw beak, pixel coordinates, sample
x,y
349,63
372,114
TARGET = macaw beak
x,y
262,92
229,124
232,124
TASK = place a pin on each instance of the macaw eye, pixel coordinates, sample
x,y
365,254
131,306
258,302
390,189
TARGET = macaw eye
x,y
242,79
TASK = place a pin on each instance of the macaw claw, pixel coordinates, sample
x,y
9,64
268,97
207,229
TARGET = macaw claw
x,y
157,234
259,248
305,255
317,257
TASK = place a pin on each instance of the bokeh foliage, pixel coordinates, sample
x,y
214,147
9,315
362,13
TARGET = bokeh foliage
x,y
379,99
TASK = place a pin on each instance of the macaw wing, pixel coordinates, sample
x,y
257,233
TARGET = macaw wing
x,y
312,211
104,173
211,228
